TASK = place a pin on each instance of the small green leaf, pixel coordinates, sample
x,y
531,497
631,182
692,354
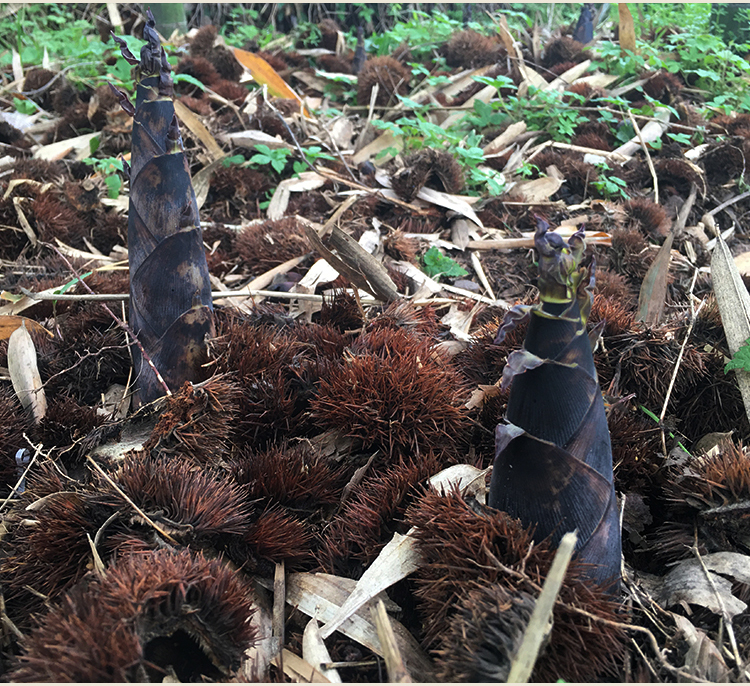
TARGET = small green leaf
x,y
186,78
435,263
114,184
741,359
234,159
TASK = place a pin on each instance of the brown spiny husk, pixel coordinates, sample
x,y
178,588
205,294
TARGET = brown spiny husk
x,y
469,49
462,541
74,644
591,140
400,247
199,68
360,530
563,49
274,536
391,76
220,58
404,316
14,421
264,246
485,634
342,312
434,168
663,86
703,399
65,423
49,553
396,394
619,318
197,421
230,90
143,600
235,194
88,355
191,504
725,162
610,284
712,493
277,370
203,41
629,254
648,217
329,34
296,476
335,64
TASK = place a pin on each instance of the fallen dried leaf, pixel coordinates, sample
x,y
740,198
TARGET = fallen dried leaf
x,y
396,560
9,323
734,306
265,75
24,373
198,129
627,28
689,583
314,651
654,287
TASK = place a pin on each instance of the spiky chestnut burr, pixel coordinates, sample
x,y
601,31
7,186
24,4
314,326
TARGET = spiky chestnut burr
x,y
465,545
553,459
151,612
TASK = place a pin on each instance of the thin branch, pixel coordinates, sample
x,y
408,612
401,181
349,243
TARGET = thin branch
x,y
682,352
14,490
728,203
130,502
648,155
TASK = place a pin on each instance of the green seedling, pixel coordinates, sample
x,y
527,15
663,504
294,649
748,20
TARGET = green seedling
x,y
436,264
109,168
740,360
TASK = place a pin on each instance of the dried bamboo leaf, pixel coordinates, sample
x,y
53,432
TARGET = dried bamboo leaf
x,y
24,373
652,131
381,143
734,306
16,65
307,181
394,664
703,659
9,323
198,129
396,560
251,138
467,478
322,595
298,670
314,651
653,294
57,151
569,76
627,28
537,190
505,138
688,582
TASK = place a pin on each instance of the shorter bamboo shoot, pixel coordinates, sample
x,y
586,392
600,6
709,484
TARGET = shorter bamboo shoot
x,y
553,459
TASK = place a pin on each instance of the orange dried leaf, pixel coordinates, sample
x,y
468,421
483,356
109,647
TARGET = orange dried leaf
x,y
627,29
10,322
266,75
